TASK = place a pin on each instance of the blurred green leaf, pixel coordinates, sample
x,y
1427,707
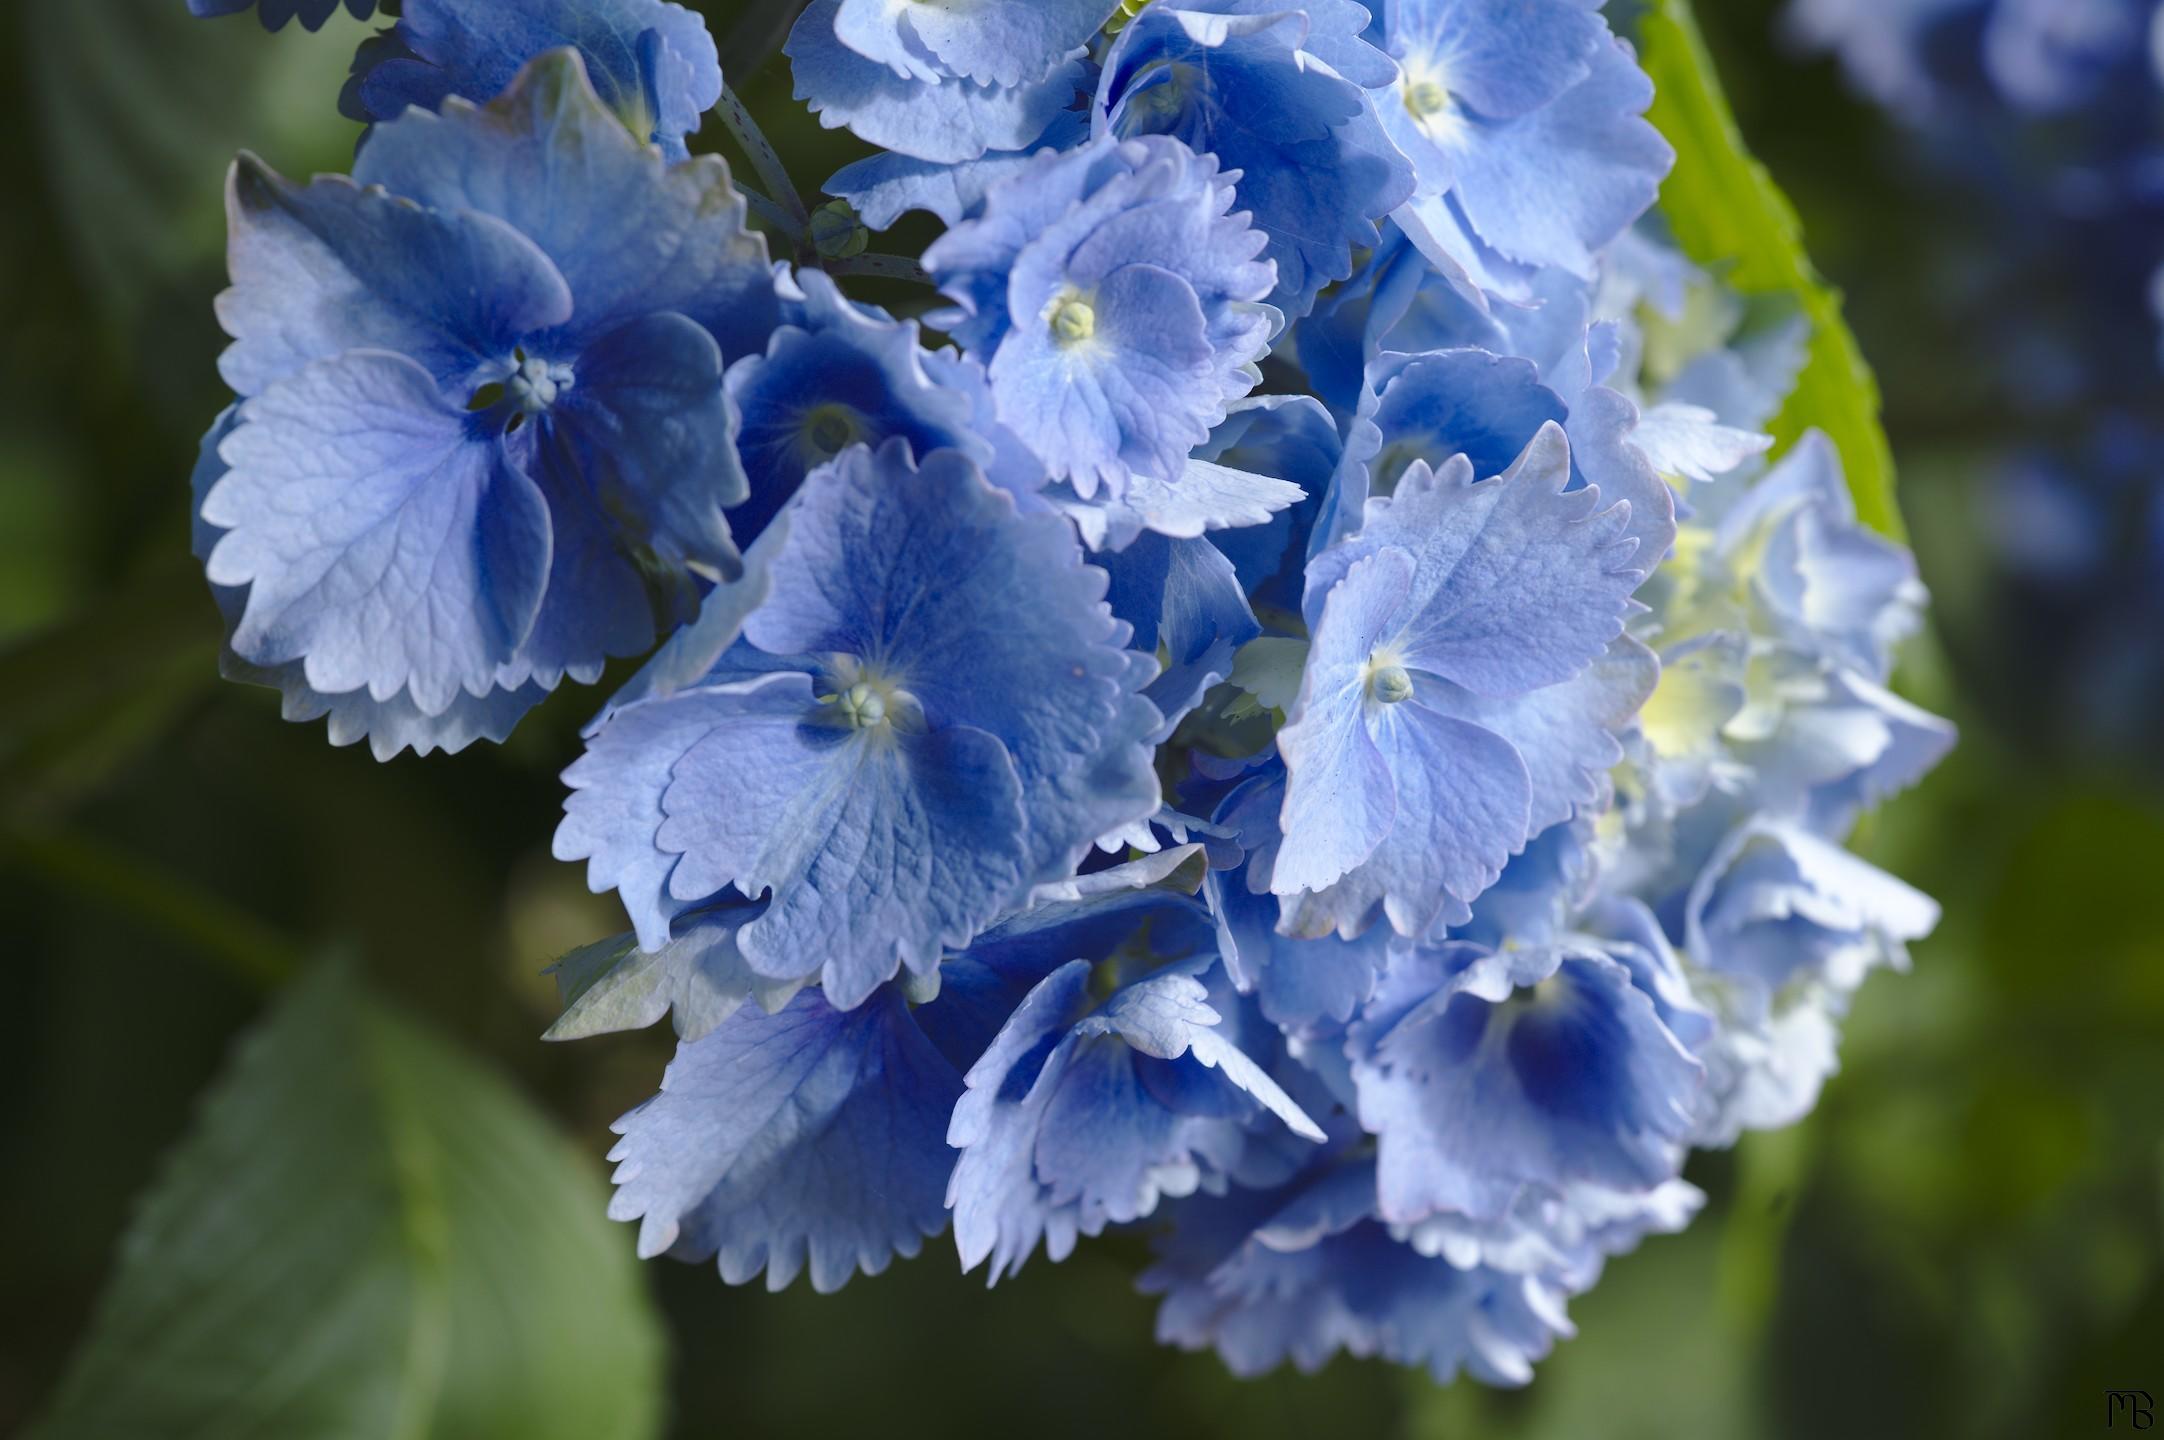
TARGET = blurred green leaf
x,y
83,698
141,108
367,1235
1728,215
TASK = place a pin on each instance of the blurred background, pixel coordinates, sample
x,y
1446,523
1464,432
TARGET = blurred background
x,y
1967,1238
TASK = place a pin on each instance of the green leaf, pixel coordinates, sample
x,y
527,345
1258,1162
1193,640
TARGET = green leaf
x,y
1729,216
367,1235
612,986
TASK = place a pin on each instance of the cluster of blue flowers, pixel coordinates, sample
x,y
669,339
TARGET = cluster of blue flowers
x,y
1311,723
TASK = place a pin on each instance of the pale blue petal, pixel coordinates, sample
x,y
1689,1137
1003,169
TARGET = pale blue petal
x,y
631,235
327,267
382,543
880,849
944,120
812,1137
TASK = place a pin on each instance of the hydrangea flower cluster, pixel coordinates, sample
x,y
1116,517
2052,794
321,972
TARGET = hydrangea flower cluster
x,y
1301,718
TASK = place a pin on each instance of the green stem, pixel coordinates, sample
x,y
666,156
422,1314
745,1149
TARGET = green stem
x,y
234,940
884,267
772,173
767,210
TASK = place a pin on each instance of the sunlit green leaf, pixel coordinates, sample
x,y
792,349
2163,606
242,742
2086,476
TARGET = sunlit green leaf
x,y
1728,215
367,1235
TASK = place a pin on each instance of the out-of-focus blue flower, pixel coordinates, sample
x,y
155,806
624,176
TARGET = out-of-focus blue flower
x,y
943,83
836,374
938,716
1485,1073
1320,171
1782,928
1116,305
312,14
1081,1115
1525,124
1463,690
1921,57
652,62
482,426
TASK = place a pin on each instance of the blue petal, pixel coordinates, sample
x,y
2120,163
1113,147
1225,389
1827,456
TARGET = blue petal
x,y
1518,582
1302,1272
989,618
382,544
1565,733
837,375
650,426
1462,798
276,13
389,726
1062,1134
879,848
653,64
1292,438
994,42
1341,801
1185,602
812,1136
884,187
1475,1092
325,268
631,236
1321,172
1598,165
1093,916
943,120
1299,983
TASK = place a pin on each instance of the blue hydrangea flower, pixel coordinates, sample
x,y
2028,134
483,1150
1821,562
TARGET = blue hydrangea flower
x,y
1293,438
1116,305
1781,928
1301,983
1566,1234
938,715
925,80
652,62
791,1135
1305,1271
1081,1115
481,427
1462,693
809,1137
1321,171
884,187
1920,57
1487,406
1484,1073
837,374
313,14
1184,600
1524,120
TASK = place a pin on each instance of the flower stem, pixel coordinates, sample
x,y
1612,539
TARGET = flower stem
x,y
772,173
885,267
